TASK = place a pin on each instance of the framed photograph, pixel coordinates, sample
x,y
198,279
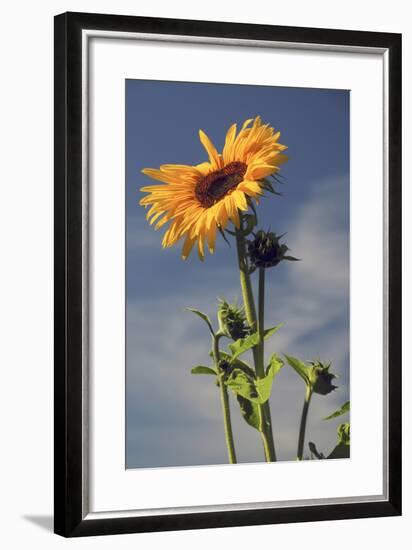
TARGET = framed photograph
x,y
227,274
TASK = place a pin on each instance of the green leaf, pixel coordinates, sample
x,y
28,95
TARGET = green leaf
x,y
344,433
299,366
202,316
200,369
242,384
244,344
264,385
238,363
269,331
344,409
250,411
275,363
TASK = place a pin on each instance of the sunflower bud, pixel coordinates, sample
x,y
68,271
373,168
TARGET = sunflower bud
x,y
224,365
232,320
321,378
265,250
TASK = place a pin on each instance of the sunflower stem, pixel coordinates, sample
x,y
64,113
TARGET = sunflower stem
x,y
261,354
303,420
224,399
258,351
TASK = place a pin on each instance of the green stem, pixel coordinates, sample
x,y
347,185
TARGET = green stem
x,y
303,420
245,282
261,358
224,399
261,320
250,310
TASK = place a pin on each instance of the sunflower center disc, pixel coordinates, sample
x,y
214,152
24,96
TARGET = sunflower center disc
x,y
216,185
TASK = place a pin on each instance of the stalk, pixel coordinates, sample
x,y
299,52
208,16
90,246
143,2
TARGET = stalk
x,y
303,420
224,399
261,358
250,310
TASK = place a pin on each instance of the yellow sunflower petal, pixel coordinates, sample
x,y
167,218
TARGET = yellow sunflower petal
x,y
159,175
200,247
281,159
211,237
221,215
187,247
210,150
246,123
262,171
204,168
251,188
228,147
232,211
240,200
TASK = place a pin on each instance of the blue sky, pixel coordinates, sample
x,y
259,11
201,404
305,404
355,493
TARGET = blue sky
x,y
173,417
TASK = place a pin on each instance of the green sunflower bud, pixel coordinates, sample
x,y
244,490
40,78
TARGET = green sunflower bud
x,y
321,379
232,320
265,250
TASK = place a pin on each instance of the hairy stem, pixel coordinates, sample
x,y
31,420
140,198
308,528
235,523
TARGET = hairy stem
x,y
261,358
303,420
250,310
224,399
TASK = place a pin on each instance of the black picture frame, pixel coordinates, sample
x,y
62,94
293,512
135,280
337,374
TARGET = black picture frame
x,y
69,517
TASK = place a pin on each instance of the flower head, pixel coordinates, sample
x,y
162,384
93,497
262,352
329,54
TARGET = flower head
x,y
265,250
321,378
198,200
232,320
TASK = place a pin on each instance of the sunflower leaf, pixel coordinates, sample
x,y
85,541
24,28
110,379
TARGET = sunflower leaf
x,y
200,369
242,384
299,366
250,411
236,363
264,385
269,331
244,344
339,412
275,364
257,391
344,433
204,317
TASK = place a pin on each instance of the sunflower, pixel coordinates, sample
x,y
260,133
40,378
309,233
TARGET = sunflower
x,y
199,200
